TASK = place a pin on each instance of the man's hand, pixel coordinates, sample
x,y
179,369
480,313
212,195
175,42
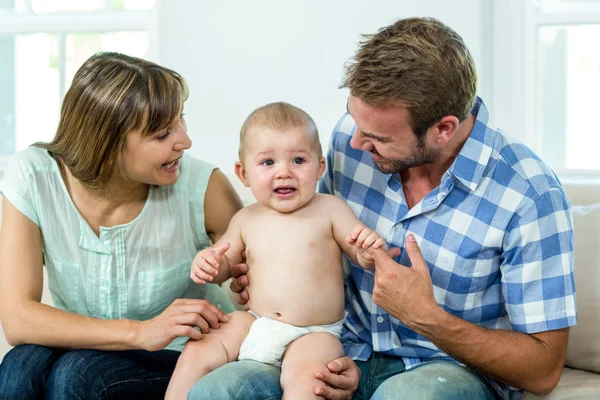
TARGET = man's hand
x,y
405,293
341,379
207,262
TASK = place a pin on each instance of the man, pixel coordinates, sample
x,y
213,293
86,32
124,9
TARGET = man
x,y
484,227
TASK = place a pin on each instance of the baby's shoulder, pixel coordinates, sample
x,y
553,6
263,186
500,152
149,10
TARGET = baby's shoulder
x,y
329,201
248,212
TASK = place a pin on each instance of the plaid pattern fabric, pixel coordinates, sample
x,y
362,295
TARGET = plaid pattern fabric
x,y
496,235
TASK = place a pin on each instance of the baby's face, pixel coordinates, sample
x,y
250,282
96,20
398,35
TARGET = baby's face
x,y
282,168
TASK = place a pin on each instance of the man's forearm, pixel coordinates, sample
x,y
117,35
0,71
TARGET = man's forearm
x,y
529,362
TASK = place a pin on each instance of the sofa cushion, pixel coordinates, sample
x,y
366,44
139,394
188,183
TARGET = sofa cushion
x,y
583,349
573,385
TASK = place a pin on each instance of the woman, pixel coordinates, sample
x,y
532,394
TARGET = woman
x,y
116,212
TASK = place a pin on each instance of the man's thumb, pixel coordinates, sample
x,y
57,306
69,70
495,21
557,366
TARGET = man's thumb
x,y
414,252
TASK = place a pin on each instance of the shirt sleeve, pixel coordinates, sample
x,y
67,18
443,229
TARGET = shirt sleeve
x,y
17,186
537,271
200,173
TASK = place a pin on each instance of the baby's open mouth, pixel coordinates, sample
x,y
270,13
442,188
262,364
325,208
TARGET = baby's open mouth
x,y
285,190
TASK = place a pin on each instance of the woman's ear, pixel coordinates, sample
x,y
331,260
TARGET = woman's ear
x,y
240,171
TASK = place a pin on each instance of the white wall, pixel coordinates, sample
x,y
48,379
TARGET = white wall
x,y
237,55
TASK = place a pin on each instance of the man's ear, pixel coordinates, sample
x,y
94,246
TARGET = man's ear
x,y
322,165
240,171
445,129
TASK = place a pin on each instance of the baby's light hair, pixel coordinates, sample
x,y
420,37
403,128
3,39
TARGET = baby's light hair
x,y
281,116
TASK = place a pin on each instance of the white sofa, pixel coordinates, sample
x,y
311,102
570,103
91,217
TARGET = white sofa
x,y
581,377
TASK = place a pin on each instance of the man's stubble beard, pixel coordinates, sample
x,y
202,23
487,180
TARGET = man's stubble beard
x,y
422,156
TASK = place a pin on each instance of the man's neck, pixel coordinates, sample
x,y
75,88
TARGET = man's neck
x,y
433,172
420,181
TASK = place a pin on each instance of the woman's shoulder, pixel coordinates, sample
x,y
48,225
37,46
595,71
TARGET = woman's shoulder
x,y
33,156
194,173
29,161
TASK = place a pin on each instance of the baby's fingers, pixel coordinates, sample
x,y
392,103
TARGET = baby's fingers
x,y
364,236
199,276
211,261
379,243
355,233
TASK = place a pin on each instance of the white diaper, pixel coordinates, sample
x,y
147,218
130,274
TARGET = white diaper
x,y
268,338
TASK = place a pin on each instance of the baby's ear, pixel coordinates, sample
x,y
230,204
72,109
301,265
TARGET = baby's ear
x,y
240,171
322,165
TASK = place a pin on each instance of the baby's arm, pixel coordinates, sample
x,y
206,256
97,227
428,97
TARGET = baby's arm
x,y
351,234
212,264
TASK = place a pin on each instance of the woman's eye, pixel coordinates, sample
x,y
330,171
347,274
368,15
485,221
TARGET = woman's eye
x,y
268,163
298,160
163,136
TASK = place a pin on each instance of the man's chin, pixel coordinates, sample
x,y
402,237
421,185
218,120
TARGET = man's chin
x,y
386,168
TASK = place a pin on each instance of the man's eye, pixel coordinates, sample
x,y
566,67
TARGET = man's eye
x,y
298,160
268,163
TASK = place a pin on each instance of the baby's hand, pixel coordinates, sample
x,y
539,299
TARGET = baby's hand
x,y
363,238
206,263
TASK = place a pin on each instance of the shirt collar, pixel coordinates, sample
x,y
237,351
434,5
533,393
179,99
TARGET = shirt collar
x,y
473,158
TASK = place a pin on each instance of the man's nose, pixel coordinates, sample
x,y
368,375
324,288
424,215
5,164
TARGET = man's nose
x,y
359,142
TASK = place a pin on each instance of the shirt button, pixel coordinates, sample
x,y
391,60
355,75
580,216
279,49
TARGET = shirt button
x,y
380,319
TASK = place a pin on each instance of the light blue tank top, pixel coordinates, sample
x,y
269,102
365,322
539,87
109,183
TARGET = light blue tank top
x,y
131,271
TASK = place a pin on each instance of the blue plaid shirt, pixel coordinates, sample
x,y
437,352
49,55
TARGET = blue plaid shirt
x,y
496,234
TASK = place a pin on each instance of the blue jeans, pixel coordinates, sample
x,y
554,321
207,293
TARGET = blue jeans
x,y
38,372
383,378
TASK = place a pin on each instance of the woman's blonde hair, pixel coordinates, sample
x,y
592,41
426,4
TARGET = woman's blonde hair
x,y
419,63
111,95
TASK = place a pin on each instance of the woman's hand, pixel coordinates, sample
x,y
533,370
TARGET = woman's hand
x,y
179,319
341,381
239,283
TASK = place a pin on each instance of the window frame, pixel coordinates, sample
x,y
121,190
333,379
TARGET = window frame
x,y
62,23
514,83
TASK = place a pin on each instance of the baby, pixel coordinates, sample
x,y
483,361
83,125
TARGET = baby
x,y
293,240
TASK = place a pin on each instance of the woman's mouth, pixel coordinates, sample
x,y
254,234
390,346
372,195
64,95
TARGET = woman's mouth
x,y
171,166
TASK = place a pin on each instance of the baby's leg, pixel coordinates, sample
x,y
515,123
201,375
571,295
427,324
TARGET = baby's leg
x,y
215,349
303,358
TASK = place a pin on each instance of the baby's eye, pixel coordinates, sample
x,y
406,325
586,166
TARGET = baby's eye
x,y
268,163
298,160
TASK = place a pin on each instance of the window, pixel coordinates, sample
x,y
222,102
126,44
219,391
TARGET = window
x,y
546,76
44,42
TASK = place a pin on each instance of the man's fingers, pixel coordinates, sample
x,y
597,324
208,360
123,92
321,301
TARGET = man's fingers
x,y
379,256
339,364
333,379
414,254
331,393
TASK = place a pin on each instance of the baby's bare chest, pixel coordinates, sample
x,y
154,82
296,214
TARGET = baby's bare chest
x,y
306,241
